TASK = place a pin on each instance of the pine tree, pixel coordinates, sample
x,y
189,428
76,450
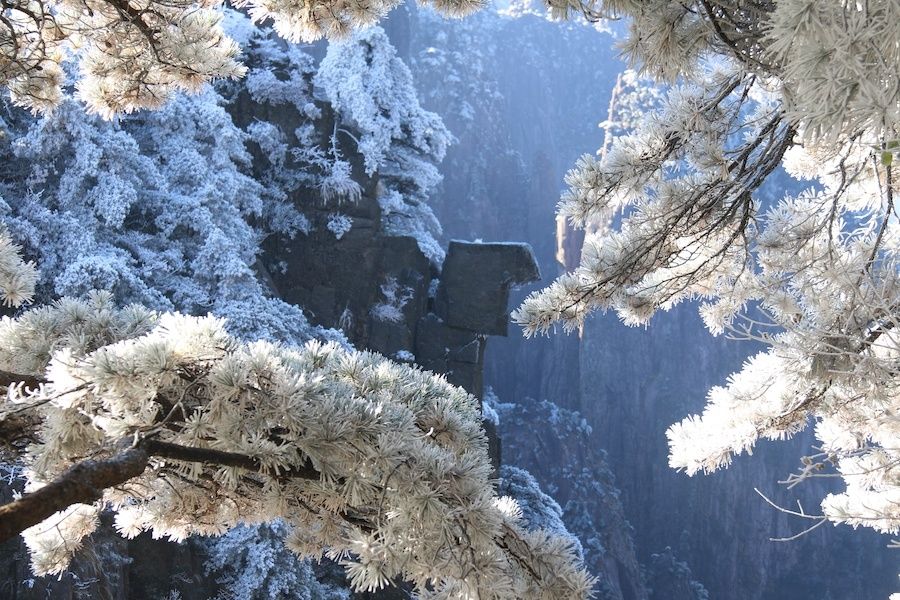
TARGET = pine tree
x,y
672,213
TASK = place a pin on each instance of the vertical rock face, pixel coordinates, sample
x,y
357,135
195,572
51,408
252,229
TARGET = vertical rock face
x,y
561,447
523,96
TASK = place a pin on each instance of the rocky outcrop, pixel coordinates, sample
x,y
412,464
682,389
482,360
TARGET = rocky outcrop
x,y
387,297
380,289
475,283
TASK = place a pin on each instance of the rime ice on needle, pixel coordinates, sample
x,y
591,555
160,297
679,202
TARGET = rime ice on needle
x,y
377,464
672,214
132,55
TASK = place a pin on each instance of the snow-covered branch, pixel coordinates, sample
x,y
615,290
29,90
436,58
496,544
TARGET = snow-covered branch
x,y
675,210
378,464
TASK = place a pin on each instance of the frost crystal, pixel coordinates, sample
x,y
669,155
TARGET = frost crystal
x,y
339,224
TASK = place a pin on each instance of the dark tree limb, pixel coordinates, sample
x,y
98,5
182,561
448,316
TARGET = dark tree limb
x,y
220,457
16,431
18,425
83,483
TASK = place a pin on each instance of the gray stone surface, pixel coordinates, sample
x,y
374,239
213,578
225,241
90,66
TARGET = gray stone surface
x,y
475,281
459,353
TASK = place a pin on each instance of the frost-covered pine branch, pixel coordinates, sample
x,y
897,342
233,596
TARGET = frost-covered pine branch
x,y
674,213
153,209
17,277
373,92
381,466
132,55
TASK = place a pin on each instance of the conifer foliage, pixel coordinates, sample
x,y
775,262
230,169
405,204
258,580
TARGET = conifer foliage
x,y
183,429
133,55
386,466
672,213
